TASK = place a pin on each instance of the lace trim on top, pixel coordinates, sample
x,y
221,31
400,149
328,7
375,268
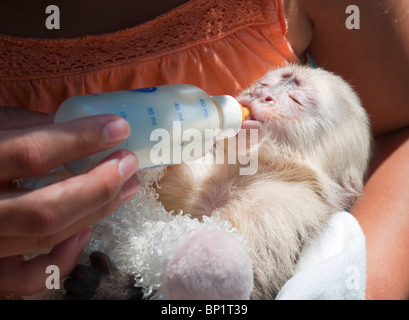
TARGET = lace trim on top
x,y
24,58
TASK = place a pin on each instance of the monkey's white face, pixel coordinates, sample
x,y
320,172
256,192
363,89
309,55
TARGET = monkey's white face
x,y
312,114
300,105
287,93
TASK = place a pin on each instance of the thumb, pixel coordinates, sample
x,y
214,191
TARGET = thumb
x,y
29,277
14,118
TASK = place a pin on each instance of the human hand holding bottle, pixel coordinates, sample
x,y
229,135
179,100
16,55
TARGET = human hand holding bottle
x,y
57,215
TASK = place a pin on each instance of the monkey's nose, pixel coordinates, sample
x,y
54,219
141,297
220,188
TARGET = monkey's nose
x,y
269,99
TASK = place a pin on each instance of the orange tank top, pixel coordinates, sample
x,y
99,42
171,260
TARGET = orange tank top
x,y
222,46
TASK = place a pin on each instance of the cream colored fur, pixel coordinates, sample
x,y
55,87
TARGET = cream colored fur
x,y
310,165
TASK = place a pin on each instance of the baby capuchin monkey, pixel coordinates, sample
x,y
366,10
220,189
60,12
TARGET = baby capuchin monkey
x,y
312,152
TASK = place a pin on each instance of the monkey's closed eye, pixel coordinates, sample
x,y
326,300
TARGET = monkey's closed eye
x,y
287,75
295,99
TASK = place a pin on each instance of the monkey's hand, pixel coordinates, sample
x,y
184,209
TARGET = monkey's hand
x,y
101,281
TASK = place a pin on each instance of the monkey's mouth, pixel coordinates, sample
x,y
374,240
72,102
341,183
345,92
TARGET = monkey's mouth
x,y
251,122
253,113
251,118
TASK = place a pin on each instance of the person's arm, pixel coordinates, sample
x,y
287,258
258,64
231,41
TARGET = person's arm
x,y
31,220
375,60
383,213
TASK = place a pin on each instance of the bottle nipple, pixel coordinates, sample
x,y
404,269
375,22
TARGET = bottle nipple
x,y
245,112
233,113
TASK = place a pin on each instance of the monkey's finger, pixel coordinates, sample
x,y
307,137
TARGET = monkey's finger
x,y
82,283
102,262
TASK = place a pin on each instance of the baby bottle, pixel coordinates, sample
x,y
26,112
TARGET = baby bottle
x,y
170,124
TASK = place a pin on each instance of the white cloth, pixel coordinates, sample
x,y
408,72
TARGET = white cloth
x,y
333,267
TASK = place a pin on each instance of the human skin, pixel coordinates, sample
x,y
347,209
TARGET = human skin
x,y
362,57
57,215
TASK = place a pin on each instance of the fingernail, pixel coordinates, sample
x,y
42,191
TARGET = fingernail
x,y
116,131
84,238
130,188
128,166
